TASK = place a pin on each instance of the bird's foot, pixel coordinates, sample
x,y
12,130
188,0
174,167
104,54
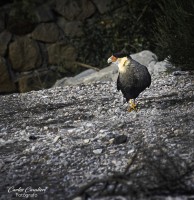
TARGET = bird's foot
x,y
132,107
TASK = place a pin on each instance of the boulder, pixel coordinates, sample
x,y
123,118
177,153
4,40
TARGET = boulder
x,y
85,73
76,79
109,73
46,32
6,84
63,55
160,67
150,60
24,54
145,57
80,10
5,38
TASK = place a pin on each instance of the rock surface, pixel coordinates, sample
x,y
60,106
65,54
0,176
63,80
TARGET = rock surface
x,y
60,138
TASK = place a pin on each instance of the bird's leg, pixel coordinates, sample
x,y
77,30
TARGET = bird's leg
x,y
132,105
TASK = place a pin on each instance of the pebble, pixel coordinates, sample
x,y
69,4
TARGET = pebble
x,y
33,148
177,131
120,139
32,137
77,198
97,151
86,141
56,138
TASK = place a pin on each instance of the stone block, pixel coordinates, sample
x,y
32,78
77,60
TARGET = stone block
x,y
71,28
46,32
24,54
61,54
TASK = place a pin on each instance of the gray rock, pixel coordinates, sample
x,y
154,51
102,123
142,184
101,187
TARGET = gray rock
x,y
150,60
97,151
160,67
85,73
145,58
110,73
120,139
106,74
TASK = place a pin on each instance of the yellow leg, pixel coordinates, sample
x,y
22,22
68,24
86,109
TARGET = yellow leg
x,y
132,105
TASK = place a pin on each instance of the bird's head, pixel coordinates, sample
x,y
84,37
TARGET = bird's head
x,y
116,57
122,59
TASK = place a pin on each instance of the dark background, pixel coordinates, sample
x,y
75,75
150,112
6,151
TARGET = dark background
x,y
164,27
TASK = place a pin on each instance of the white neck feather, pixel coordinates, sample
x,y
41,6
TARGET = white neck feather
x,y
122,64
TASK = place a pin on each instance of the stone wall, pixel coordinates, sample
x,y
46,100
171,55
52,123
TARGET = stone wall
x,y
33,51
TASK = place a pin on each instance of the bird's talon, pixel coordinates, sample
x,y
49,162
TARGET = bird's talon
x,y
130,109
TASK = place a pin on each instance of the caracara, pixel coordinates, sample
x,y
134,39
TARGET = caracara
x,y
133,77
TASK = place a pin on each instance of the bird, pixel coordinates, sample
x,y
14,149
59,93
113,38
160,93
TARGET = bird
x,y
133,77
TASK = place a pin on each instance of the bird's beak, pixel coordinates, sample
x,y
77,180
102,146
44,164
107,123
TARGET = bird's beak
x,y
109,60
112,59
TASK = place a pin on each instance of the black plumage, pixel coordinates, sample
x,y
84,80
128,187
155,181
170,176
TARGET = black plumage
x,y
134,80
133,77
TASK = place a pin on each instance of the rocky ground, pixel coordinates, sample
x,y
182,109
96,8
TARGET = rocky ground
x,y
59,139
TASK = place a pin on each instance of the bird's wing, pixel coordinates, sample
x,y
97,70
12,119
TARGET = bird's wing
x,y
118,83
142,74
